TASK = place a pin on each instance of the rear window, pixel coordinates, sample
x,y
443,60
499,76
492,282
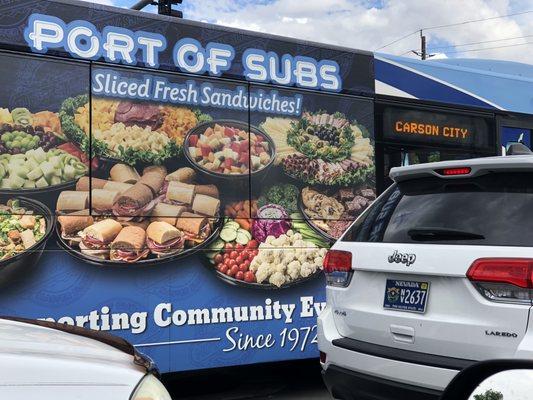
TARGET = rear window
x,y
494,209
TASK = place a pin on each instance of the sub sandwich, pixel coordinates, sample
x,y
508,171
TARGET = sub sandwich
x,y
164,239
95,239
129,245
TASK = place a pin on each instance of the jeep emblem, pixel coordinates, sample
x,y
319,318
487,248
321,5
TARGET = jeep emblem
x,y
402,258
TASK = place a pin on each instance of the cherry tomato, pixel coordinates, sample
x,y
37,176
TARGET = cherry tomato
x,y
224,269
233,271
239,246
243,267
239,275
252,244
247,263
232,262
255,252
225,256
218,258
227,262
249,276
228,246
233,254
239,259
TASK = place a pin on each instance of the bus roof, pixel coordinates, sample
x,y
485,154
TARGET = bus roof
x,y
492,84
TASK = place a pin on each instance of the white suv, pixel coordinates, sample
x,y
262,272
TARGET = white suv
x,y
435,275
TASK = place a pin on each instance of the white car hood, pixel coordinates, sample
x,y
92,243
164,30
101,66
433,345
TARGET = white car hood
x,y
31,354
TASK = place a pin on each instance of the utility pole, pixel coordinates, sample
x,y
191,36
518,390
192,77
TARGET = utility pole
x,y
423,53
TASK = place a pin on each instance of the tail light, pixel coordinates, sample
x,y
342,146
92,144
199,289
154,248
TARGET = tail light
x,y
507,280
338,268
323,357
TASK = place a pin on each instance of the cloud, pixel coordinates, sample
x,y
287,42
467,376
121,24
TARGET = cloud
x,y
369,24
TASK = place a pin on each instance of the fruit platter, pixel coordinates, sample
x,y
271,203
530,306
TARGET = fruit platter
x,y
267,244
227,148
137,218
126,131
34,154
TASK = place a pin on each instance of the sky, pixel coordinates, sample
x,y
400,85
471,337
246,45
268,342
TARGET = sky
x,y
372,24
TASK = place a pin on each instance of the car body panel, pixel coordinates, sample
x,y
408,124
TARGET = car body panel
x,y
38,362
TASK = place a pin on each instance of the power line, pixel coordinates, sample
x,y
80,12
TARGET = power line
x,y
477,20
473,43
397,40
489,48
455,24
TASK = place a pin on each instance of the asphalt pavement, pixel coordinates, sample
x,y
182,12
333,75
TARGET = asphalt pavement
x,y
297,380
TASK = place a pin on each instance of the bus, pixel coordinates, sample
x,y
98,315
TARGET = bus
x,y
178,183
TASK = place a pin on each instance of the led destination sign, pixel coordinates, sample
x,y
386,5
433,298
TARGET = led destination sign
x,y
434,128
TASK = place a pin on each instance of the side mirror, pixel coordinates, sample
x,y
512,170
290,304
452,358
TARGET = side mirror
x,y
493,380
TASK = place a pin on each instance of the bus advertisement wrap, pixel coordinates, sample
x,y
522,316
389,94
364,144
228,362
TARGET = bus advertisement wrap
x,y
174,183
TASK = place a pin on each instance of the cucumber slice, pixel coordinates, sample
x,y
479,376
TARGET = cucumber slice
x,y
217,246
232,224
242,238
244,232
228,234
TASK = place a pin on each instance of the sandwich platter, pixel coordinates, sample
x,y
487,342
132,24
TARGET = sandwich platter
x,y
137,219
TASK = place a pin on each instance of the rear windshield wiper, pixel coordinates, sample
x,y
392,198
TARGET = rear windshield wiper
x,y
428,234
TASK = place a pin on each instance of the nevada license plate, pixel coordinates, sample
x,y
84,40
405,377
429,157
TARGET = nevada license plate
x,y
406,295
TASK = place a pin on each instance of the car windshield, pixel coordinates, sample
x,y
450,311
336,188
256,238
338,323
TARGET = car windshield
x,y
494,209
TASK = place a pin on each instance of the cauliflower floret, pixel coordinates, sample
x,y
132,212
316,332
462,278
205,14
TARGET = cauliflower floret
x,y
307,269
302,257
277,279
266,255
289,233
279,267
293,269
323,251
297,236
318,261
288,256
269,239
254,265
300,243
263,272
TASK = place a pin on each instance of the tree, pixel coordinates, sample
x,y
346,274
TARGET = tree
x,y
489,395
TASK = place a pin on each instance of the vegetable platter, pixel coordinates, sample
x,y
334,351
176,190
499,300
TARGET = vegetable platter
x,y
267,243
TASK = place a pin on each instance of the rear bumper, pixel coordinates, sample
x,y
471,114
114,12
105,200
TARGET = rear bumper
x,y
349,385
396,369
